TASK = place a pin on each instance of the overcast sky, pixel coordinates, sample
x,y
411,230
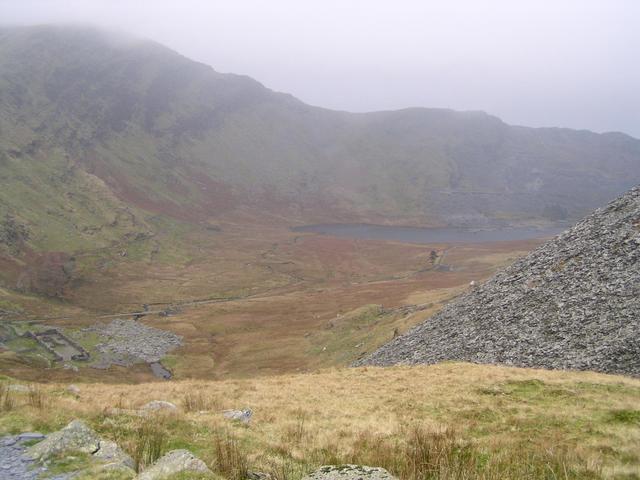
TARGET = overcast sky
x,y
570,63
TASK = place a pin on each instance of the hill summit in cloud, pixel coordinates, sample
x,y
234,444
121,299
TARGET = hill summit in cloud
x,y
104,138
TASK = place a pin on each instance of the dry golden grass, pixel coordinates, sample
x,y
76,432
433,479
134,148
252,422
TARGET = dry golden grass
x,y
517,423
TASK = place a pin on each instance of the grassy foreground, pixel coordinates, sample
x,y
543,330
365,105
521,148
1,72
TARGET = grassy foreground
x,y
449,421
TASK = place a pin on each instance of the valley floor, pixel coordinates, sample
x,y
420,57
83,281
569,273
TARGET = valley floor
x,y
254,300
445,421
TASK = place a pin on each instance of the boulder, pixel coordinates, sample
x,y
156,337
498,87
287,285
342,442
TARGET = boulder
x,y
349,472
156,405
174,462
74,390
75,437
112,454
243,416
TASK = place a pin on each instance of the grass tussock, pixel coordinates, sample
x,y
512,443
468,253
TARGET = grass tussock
x,y
7,400
422,453
231,461
36,397
296,431
148,442
626,416
197,401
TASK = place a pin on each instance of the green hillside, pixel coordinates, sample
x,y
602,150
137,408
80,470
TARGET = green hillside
x,y
103,136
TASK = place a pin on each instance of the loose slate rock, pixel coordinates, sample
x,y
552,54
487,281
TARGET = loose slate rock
x,y
159,405
14,465
73,390
28,436
573,303
112,454
243,416
75,437
174,462
349,472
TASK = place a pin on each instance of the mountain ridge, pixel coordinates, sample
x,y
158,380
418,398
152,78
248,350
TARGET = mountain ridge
x,y
102,138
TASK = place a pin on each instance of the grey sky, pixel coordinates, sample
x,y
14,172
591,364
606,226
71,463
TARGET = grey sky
x,y
573,63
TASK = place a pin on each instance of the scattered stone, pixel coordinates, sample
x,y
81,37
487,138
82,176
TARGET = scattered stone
x,y
112,454
174,462
74,390
160,370
126,342
258,476
349,472
19,462
573,303
15,465
243,416
75,437
155,405
168,312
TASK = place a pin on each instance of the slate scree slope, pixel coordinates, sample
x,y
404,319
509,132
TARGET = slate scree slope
x,y
573,303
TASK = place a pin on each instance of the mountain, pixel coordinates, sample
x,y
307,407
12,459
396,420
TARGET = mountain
x,y
574,303
105,139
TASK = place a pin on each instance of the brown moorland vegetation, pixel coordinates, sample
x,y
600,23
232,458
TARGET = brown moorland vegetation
x,y
257,300
448,421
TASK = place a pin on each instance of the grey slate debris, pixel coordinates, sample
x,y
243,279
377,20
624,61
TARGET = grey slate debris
x,y
573,303
19,461
15,465
126,342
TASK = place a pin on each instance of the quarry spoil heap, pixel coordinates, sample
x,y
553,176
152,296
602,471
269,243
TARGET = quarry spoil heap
x,y
573,303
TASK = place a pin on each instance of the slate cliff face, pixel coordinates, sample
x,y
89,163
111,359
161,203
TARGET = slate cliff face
x,y
574,303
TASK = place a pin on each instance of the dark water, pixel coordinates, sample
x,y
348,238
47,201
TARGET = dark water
x,y
429,235
159,371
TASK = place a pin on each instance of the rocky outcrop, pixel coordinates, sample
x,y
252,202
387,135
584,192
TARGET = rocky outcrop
x,y
13,234
349,472
14,465
75,437
112,455
174,462
574,303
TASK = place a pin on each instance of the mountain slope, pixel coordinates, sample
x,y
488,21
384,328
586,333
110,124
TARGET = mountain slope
x,y
102,135
573,303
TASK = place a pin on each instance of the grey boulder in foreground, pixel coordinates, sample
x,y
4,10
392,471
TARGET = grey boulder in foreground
x,y
173,463
349,472
573,303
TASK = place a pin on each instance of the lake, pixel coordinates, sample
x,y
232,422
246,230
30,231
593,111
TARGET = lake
x,y
429,234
